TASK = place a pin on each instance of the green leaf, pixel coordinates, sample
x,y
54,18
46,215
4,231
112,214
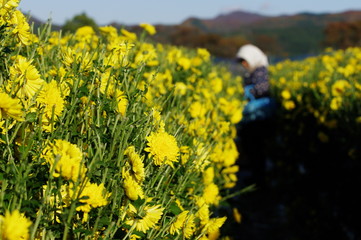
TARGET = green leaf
x,y
30,117
174,208
138,203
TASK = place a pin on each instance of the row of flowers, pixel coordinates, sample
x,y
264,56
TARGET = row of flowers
x,y
108,136
320,96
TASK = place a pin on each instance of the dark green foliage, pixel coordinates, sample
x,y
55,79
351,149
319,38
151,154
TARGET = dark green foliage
x,y
78,21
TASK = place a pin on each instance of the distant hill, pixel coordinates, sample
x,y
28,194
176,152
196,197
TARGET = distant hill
x,y
285,35
279,36
240,20
225,22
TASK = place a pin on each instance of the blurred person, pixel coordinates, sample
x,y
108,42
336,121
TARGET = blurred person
x,y
256,125
254,70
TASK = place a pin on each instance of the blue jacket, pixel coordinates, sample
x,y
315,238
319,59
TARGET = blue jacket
x,y
257,91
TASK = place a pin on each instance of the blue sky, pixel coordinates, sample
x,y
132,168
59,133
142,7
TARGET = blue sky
x,y
172,11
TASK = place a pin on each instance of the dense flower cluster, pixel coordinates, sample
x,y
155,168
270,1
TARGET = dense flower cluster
x,y
324,89
105,135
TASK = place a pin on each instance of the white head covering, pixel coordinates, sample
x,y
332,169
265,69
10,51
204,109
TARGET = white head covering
x,y
253,55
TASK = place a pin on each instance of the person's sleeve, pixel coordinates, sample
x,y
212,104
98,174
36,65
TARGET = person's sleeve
x,y
260,82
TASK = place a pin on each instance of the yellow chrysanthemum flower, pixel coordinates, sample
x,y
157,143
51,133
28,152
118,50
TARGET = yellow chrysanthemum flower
x,y
163,148
214,224
129,35
203,212
136,163
84,32
289,104
26,78
93,196
180,89
10,107
9,5
178,223
146,219
132,188
109,31
211,194
286,94
237,215
14,226
149,28
66,159
147,54
208,175
122,102
21,27
184,63
90,195
204,54
339,88
189,226
197,110
336,103
50,98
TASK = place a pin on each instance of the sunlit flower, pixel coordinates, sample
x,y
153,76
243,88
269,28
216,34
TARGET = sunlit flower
x,y
184,63
149,28
208,175
8,5
185,153
163,148
132,188
10,107
289,104
122,102
230,176
286,94
92,196
217,84
336,103
129,35
84,31
203,212
178,224
66,159
14,226
21,27
339,88
189,226
136,162
214,224
211,194
197,110
180,89
25,77
50,98
145,219
134,237
146,54
203,53
68,56
109,31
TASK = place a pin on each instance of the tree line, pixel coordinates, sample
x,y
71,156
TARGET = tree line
x,y
275,42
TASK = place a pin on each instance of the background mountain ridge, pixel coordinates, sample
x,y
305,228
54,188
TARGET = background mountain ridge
x,y
304,33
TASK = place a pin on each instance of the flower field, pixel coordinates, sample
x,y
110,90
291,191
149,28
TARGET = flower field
x,y
319,100
107,136
316,150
